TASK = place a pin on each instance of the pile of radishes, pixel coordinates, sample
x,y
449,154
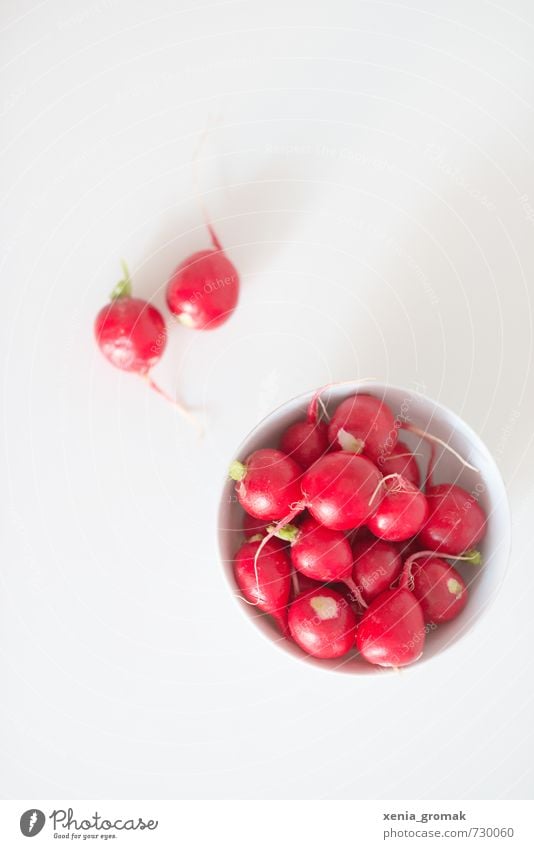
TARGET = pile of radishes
x,y
345,546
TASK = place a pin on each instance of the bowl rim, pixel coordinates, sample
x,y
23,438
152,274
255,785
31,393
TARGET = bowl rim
x,y
504,502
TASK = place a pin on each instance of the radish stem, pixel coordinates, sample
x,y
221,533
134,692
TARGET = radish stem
x,y
406,579
273,531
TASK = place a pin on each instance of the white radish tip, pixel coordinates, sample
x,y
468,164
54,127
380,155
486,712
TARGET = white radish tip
x,y
185,319
454,587
348,442
324,606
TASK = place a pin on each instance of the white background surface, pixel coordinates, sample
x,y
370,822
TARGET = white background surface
x,y
370,173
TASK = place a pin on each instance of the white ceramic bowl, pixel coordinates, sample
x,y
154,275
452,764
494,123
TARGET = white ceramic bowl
x,y
487,487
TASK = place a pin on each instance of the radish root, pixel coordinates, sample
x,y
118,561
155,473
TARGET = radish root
x,y
431,466
424,435
401,485
182,409
356,592
196,184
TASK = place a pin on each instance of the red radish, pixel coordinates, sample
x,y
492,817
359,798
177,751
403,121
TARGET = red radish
x,y
364,423
130,332
456,523
265,581
204,290
401,462
318,552
321,554
439,588
322,623
402,511
305,441
307,585
392,629
267,484
376,565
337,490
252,526
132,335
406,578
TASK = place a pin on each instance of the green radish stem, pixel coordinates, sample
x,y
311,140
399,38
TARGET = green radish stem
x,y
406,580
272,531
288,533
123,289
237,471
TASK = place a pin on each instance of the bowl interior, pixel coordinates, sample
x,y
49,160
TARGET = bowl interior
x,y
486,487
